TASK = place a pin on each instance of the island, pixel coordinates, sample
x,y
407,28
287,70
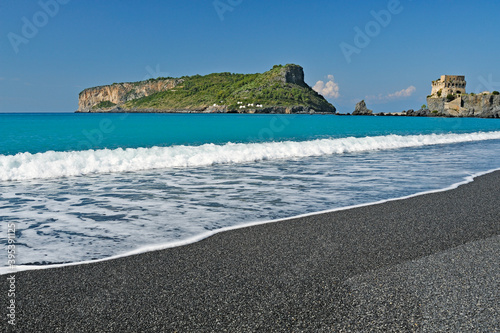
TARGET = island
x,y
279,90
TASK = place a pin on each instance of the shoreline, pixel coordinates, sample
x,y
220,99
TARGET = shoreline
x,y
198,238
351,268
320,113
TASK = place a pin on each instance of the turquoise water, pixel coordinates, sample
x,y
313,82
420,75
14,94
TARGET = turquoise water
x,y
92,186
36,133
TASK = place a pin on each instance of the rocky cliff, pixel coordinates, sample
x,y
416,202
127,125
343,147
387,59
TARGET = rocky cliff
x,y
361,109
280,90
466,105
119,93
292,74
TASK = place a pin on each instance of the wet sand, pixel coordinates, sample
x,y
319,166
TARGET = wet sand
x,y
427,263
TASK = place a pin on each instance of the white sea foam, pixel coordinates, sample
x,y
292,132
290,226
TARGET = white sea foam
x,y
76,219
52,164
206,234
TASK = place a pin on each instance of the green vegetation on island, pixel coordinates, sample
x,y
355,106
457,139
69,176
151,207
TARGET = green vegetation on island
x,y
104,105
279,89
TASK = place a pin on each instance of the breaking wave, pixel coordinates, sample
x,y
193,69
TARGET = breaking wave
x,y
51,164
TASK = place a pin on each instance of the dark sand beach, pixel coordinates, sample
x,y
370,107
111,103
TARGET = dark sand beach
x,y
428,263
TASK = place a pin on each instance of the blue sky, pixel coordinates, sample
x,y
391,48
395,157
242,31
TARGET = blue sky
x,y
50,50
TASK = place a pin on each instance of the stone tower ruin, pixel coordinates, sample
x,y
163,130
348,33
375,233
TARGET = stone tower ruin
x,y
448,84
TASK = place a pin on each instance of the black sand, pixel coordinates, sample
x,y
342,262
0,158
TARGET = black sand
x,y
428,263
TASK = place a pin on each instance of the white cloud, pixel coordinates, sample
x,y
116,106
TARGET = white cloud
x,y
393,96
329,89
403,93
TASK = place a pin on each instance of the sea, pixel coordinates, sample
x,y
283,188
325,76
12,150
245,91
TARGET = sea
x,y
86,187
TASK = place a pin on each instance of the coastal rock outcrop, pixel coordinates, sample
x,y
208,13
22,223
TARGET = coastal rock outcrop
x,y
293,74
449,98
484,105
362,110
419,113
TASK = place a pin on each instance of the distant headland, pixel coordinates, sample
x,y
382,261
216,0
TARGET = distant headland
x,y
448,98
279,90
